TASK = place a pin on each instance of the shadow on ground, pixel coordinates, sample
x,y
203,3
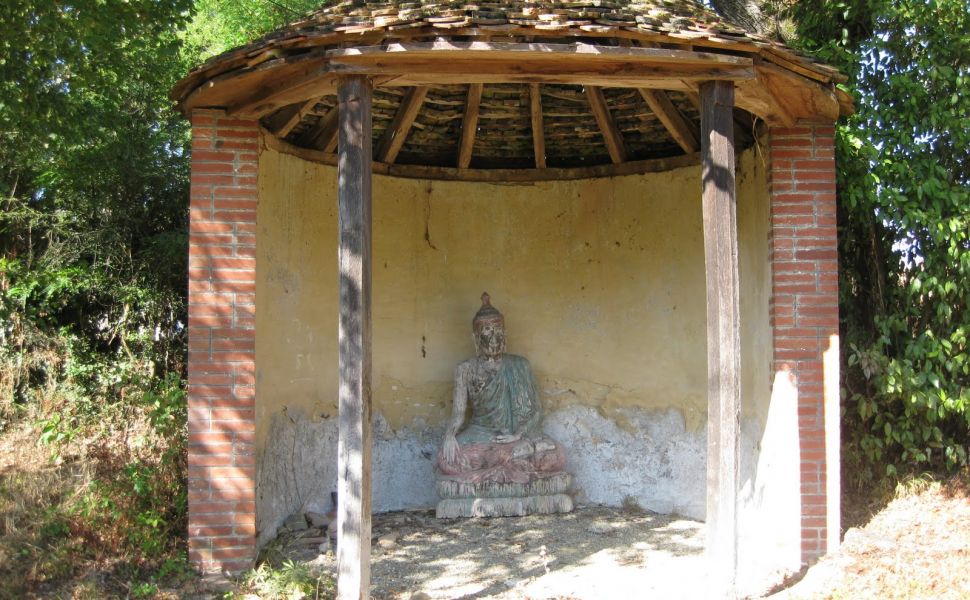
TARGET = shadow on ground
x,y
594,552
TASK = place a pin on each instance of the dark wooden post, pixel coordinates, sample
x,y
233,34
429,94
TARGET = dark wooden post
x,y
723,331
354,447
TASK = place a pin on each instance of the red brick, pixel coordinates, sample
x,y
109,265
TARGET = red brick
x,y
211,156
203,178
831,254
237,144
248,551
791,153
825,186
211,227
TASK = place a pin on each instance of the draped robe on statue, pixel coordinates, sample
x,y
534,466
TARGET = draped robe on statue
x,y
508,403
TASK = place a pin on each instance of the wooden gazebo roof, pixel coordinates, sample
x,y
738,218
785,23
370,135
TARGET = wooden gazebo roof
x,y
514,90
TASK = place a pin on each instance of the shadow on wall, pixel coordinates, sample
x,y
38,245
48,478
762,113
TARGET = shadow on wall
x,y
654,463
297,469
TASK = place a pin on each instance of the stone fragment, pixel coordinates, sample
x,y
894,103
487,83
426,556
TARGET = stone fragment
x,y
296,522
451,508
388,540
318,519
600,528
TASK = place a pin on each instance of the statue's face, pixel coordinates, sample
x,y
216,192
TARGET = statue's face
x,y
490,339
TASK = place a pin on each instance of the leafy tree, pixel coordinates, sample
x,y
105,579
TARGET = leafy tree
x,y
220,25
93,180
904,183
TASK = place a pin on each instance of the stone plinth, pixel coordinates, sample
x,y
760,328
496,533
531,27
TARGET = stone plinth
x,y
542,495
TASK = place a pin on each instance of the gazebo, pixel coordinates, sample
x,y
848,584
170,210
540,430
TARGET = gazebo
x,y
606,169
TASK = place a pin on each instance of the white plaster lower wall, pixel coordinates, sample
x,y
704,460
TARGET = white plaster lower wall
x,y
660,468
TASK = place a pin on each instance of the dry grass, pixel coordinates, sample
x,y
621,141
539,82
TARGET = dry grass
x,y
917,546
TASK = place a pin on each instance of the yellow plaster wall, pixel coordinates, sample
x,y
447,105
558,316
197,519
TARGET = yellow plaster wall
x,y
601,283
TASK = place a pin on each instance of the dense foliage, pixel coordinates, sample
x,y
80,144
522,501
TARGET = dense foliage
x,y
904,192
93,187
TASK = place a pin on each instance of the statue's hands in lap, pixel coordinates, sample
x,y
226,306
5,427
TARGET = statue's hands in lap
x,y
452,453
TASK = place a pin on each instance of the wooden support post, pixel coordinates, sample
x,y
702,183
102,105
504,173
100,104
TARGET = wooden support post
x,y
723,331
354,447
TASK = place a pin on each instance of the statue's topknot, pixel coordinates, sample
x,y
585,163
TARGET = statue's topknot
x,y
487,313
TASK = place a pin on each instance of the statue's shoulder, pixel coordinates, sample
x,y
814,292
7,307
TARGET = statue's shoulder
x,y
465,365
517,360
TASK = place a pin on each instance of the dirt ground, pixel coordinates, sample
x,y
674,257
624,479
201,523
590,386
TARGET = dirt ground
x,y
589,553
917,546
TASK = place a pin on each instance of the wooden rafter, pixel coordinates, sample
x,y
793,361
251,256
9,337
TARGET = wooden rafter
x,y
511,175
397,132
292,83
469,125
324,135
611,135
684,133
538,133
296,118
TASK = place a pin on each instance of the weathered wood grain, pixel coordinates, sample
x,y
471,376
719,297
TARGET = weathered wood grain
x,y
354,395
469,125
397,131
723,331
684,133
611,135
655,165
538,132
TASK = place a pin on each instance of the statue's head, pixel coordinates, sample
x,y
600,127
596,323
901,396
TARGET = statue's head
x,y
488,329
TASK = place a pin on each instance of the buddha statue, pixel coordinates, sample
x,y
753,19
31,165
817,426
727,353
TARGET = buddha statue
x,y
495,460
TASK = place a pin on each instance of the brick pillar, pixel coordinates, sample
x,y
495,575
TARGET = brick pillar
x,y
805,315
222,357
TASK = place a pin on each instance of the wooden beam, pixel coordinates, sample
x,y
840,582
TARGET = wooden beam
x,y
723,332
354,344
684,133
397,131
293,121
293,83
611,135
469,125
655,165
324,135
538,132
